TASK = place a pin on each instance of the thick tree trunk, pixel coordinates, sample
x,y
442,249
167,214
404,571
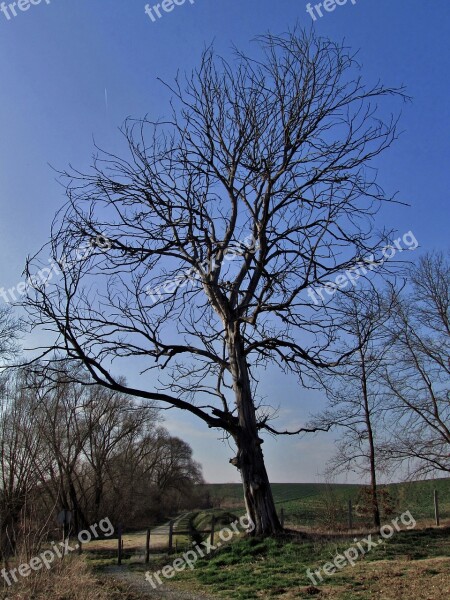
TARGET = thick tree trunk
x,y
257,491
250,458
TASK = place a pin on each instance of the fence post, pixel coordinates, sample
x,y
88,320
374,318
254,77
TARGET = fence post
x,y
147,547
436,508
350,515
170,536
213,526
282,518
119,545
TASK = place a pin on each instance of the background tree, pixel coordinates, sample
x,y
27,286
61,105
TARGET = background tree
x,y
101,453
19,455
79,446
9,331
256,188
355,390
418,370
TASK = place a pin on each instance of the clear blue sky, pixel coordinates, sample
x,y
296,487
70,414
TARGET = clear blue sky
x,y
58,59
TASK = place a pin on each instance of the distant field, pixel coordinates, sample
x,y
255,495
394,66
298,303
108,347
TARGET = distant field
x,y
315,504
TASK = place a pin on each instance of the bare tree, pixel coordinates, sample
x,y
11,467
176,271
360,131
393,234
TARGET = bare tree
x,y
101,453
19,454
15,439
82,428
258,186
418,376
151,476
355,390
114,424
9,330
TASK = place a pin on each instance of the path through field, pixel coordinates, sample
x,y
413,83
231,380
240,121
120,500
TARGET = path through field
x,y
135,579
164,529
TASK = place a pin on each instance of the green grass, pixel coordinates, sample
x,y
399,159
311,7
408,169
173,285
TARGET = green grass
x,y
251,568
201,521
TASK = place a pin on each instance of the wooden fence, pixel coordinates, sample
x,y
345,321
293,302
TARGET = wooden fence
x,y
348,520
162,531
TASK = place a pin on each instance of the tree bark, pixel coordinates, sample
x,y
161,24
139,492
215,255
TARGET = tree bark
x,y
250,458
373,471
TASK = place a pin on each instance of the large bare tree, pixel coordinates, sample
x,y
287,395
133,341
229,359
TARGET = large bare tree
x,y
208,234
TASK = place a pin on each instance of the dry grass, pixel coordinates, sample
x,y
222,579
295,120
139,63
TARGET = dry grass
x,y
398,580
69,579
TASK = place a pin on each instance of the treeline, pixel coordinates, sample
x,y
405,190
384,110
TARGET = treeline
x,y
67,443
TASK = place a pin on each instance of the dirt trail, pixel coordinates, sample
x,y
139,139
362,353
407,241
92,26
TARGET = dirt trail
x,y
164,529
138,584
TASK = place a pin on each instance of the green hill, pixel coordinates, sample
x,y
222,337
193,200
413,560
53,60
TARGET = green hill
x,y
316,504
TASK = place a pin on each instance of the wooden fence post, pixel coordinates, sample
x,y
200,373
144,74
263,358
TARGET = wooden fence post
x,y
213,525
119,545
170,536
350,515
436,508
147,547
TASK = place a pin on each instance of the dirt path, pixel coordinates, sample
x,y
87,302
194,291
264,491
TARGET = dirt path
x,y
138,584
164,529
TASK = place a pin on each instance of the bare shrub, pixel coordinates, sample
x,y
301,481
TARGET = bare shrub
x,y
68,579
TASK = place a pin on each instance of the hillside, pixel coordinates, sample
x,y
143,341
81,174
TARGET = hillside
x,y
320,504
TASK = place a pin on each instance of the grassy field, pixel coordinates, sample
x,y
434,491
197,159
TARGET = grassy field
x,y
413,564
321,505
308,507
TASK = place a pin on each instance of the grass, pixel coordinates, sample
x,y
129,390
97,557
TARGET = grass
x,y
251,568
413,564
317,505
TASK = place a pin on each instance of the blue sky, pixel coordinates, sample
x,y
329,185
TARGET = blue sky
x,y
59,58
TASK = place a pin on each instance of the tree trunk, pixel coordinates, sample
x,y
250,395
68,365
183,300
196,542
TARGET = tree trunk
x,y
8,533
257,491
250,458
79,520
98,496
373,471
